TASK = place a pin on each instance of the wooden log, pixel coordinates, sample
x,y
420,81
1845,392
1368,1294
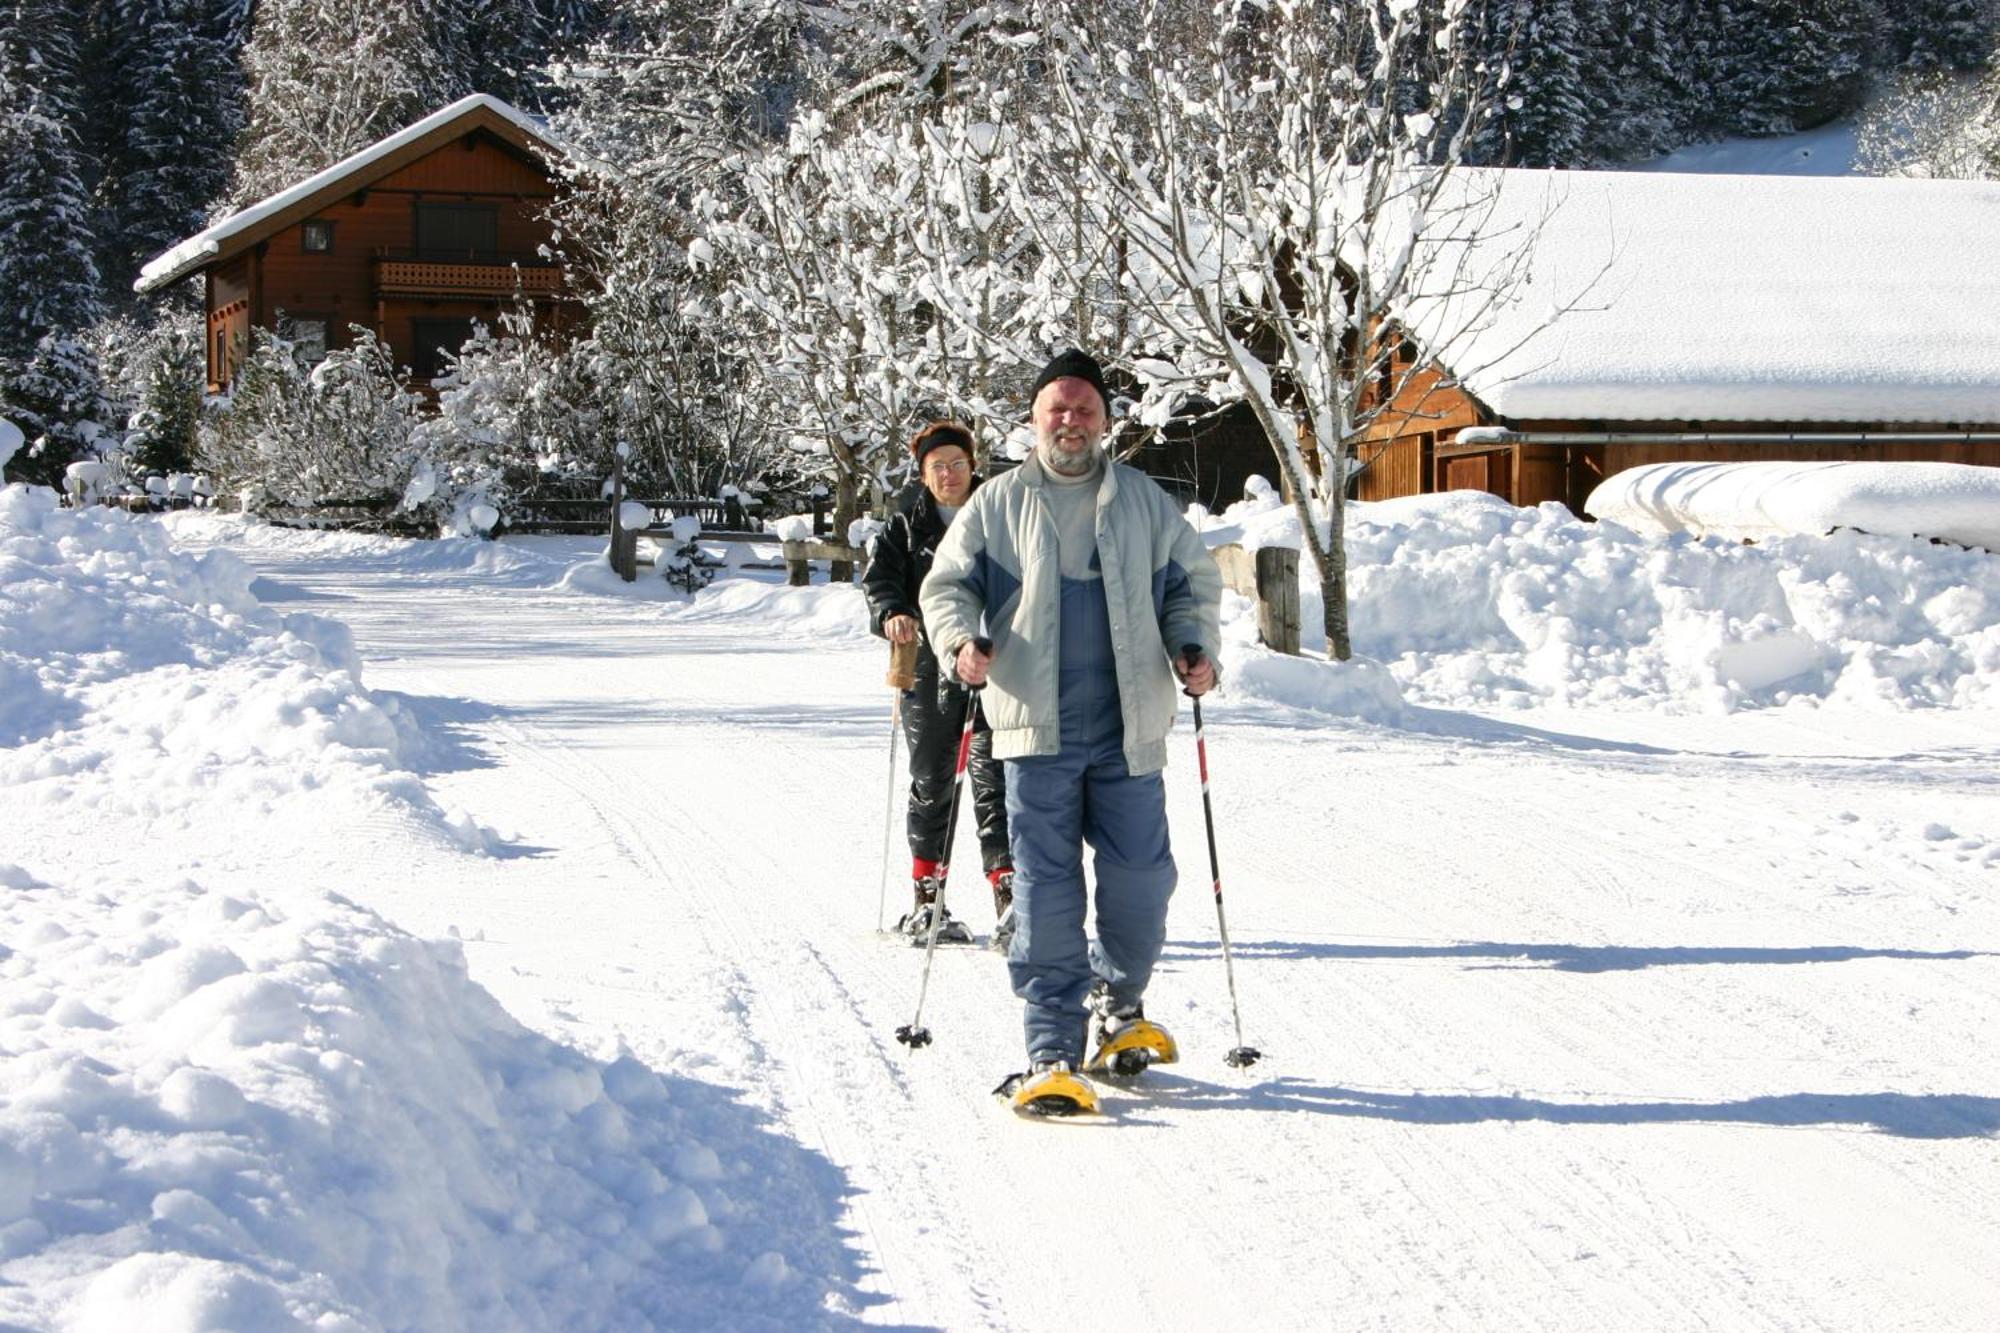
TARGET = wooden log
x,y
1278,598
624,549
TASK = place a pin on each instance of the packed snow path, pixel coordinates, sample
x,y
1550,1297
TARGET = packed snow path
x,y
1572,1020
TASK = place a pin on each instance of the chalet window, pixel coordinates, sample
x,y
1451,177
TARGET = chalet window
x,y
457,231
316,236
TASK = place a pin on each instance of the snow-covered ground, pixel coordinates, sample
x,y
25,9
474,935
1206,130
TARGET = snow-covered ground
x,y
1622,938
1825,151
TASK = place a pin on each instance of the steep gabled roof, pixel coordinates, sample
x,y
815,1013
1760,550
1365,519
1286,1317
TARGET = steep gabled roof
x,y
243,229
1741,298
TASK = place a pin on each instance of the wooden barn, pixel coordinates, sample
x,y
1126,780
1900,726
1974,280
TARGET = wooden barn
x,y
1710,319
415,237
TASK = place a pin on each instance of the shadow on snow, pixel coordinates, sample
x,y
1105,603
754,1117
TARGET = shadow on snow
x,y
1907,1115
1560,957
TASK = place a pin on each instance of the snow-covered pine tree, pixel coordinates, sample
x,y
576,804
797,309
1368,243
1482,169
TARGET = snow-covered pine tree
x,y
1944,34
170,157
161,434
1632,59
55,394
48,279
329,77
1542,117
1786,65
49,290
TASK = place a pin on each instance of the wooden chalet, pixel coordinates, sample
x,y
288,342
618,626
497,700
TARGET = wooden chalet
x,y
415,237
1714,319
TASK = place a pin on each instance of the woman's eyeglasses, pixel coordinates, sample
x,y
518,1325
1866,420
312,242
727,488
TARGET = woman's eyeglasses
x,y
944,469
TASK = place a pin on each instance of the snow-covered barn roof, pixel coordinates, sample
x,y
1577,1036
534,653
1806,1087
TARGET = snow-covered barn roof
x,y
268,216
1743,298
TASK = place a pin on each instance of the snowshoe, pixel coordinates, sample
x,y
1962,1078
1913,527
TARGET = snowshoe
x,y
916,926
1127,1044
1003,911
1051,1088
1003,931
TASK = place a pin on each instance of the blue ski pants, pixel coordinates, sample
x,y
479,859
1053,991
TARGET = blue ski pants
x,y
1055,804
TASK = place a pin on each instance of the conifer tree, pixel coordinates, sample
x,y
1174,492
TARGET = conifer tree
x,y
48,280
1542,114
309,107
1944,34
165,161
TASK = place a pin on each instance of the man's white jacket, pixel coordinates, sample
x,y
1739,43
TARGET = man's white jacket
x,y
1000,561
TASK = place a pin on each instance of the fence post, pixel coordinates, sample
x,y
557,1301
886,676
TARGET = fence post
x,y
798,566
624,545
1278,598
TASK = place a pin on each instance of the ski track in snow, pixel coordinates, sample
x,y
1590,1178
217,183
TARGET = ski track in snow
x,y
1570,1021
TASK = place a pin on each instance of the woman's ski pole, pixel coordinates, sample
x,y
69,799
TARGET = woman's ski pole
x,y
914,1034
1240,1056
902,676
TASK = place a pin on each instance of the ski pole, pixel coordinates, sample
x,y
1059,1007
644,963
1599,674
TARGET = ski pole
x,y
914,1034
902,676
889,815
1240,1056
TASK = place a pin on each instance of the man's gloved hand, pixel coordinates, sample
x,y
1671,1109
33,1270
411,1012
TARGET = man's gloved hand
x,y
1196,670
974,658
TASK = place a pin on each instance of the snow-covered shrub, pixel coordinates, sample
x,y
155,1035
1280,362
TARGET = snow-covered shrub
x,y
331,435
504,420
160,432
679,559
56,397
1935,124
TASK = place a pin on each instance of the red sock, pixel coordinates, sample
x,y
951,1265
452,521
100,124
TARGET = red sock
x,y
922,869
993,876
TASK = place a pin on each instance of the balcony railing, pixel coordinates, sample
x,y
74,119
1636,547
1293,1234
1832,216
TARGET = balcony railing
x,y
495,275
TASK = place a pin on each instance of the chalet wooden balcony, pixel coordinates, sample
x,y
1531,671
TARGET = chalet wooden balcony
x,y
495,276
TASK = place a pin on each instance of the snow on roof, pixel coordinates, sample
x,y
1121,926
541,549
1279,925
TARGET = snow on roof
x,y
1740,298
1952,501
175,264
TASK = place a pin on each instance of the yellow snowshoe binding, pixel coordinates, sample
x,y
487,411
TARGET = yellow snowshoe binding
x,y
1050,1089
1129,1046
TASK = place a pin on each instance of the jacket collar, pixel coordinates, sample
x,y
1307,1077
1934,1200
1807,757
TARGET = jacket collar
x,y
1034,474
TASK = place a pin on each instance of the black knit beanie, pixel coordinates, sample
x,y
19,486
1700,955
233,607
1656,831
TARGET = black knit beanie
x,y
936,435
1072,364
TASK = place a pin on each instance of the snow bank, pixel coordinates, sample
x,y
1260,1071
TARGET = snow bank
x,y
822,611
1754,501
143,683
220,1112
530,562
270,1108
1471,602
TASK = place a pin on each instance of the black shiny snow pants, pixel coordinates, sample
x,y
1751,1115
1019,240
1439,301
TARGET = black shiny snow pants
x,y
933,720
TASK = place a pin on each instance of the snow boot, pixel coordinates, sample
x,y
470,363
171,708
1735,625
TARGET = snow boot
x,y
915,925
1127,1044
1003,910
1050,1088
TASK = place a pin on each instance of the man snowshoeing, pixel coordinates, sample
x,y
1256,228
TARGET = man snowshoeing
x,y
1092,588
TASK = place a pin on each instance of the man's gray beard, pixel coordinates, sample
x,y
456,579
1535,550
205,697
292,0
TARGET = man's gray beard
x,y
1069,465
